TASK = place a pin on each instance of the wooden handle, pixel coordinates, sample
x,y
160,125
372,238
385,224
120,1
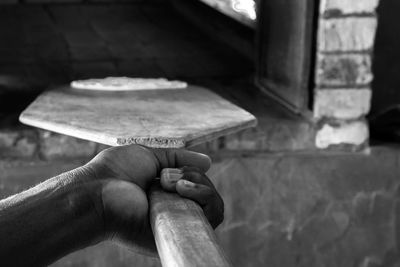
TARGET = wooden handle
x,y
183,236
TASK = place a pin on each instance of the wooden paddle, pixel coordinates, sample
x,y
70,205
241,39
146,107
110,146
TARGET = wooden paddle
x,y
163,118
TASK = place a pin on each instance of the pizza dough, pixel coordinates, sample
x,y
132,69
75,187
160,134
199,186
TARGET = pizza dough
x,y
127,84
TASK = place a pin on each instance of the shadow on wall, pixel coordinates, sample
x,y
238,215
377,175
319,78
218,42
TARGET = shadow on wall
x,y
386,66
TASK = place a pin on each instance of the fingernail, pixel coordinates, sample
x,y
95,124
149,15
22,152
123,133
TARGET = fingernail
x,y
174,177
188,183
171,175
170,170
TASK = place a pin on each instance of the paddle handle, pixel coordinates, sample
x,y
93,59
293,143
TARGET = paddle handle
x,y
183,236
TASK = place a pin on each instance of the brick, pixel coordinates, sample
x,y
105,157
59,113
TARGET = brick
x,y
343,69
17,144
345,7
342,103
53,146
25,147
344,133
7,139
346,34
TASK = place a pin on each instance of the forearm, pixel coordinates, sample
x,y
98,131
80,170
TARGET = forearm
x,y
49,220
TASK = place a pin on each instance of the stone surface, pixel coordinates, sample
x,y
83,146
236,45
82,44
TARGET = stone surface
x,y
343,69
342,103
343,133
346,34
346,7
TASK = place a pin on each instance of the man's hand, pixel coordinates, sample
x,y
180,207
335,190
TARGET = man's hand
x,y
126,174
105,199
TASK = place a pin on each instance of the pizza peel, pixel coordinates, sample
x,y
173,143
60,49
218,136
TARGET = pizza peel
x,y
159,117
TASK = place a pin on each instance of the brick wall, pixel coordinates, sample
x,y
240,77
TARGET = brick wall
x,y
342,95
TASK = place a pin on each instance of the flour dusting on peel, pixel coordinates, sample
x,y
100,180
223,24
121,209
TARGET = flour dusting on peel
x,y
127,84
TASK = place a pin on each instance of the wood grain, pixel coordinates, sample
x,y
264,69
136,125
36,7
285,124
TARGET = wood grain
x,y
168,118
183,236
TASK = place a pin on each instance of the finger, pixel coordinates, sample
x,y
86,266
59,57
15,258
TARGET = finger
x,y
197,178
209,199
169,177
177,158
200,193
